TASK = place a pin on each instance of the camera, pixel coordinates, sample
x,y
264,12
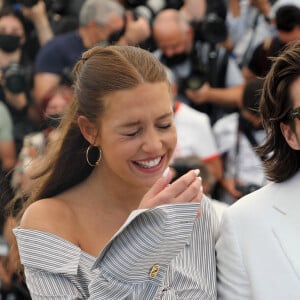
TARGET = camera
x,y
247,189
197,77
212,29
15,78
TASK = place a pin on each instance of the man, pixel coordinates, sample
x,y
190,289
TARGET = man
x,y
8,156
249,22
258,247
195,137
287,21
208,80
236,135
99,22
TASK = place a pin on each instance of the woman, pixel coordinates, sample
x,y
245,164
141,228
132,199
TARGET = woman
x,y
35,144
16,76
109,225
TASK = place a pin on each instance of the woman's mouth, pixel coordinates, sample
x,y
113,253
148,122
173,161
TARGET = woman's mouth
x,y
149,163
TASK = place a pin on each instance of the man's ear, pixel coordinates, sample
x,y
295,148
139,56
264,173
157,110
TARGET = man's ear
x,y
88,129
290,136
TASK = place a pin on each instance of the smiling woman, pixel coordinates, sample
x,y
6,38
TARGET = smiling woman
x,y
121,229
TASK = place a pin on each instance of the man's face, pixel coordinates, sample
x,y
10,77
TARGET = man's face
x,y
114,25
295,95
172,41
291,131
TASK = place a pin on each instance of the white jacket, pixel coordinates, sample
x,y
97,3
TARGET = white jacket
x,y
258,250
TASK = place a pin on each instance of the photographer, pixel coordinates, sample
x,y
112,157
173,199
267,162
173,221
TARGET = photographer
x,y
12,284
237,134
15,75
209,80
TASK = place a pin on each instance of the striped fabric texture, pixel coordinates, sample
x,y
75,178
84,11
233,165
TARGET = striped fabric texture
x,y
160,253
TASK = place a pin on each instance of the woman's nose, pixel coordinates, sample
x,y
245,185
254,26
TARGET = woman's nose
x,y
152,142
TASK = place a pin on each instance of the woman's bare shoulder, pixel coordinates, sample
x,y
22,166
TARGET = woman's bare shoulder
x,y
52,215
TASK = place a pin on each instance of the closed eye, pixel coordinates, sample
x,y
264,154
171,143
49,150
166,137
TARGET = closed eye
x,y
133,133
165,126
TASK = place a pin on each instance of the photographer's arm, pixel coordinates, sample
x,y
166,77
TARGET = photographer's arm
x,y
230,96
193,9
37,14
136,32
234,8
44,83
8,155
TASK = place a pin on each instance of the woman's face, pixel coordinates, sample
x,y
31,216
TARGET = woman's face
x,y
137,134
11,25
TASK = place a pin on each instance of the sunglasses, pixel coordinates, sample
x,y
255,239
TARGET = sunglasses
x,y
294,114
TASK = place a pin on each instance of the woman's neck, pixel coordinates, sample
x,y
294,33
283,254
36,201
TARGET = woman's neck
x,y
113,193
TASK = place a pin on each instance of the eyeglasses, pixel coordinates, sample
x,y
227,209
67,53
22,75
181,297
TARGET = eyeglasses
x,y
295,113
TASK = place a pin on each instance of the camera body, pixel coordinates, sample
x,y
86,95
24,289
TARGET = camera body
x,y
197,77
15,78
212,29
247,188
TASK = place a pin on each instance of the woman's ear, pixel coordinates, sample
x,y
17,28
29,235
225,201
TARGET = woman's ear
x,y
88,129
290,136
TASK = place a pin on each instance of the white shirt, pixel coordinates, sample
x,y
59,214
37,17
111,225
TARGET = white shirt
x,y
246,164
160,253
194,134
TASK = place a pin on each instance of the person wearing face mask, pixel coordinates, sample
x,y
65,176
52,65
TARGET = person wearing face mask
x,y
100,22
16,75
208,79
35,144
236,135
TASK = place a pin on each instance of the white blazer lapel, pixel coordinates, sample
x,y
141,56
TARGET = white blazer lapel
x,y
287,231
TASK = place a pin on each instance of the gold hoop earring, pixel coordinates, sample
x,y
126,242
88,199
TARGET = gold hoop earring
x,y
87,154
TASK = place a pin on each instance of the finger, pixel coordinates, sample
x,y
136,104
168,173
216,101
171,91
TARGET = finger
x,y
182,183
158,186
192,193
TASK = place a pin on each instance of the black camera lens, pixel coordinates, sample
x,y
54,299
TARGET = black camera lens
x,y
195,82
14,78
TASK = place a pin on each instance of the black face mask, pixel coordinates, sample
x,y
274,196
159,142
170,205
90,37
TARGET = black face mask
x,y
175,59
116,35
53,121
9,43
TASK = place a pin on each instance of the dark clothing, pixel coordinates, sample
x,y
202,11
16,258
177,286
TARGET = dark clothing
x,y
260,62
206,63
22,125
60,54
18,291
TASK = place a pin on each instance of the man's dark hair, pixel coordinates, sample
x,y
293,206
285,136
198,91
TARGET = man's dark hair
x,y
287,17
252,94
281,162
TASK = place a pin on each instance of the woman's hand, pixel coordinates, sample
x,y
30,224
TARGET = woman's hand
x,y
187,188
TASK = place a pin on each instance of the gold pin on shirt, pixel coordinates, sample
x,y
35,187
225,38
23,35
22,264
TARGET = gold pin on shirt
x,y
154,271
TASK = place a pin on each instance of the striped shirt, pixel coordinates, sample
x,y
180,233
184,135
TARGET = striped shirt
x,y
159,253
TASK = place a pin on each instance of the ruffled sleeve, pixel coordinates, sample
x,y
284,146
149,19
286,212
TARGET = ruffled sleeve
x,y
53,265
141,251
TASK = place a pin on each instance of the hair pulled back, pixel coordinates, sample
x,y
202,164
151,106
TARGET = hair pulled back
x,y
98,73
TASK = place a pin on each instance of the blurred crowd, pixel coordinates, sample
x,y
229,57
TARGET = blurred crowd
x,y
216,53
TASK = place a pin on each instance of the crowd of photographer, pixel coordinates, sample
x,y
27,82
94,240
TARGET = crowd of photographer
x,y
213,49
